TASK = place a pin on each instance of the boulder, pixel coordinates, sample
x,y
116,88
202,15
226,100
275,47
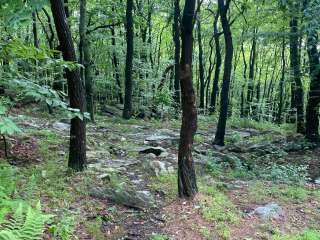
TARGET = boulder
x,y
61,126
126,197
269,211
159,168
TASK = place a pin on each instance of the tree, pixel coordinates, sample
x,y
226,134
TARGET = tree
x,y
187,184
176,40
127,110
215,87
312,112
224,101
85,58
297,99
201,64
77,148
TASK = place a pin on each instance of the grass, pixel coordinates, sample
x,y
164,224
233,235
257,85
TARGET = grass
x,y
306,235
262,192
167,184
217,208
158,237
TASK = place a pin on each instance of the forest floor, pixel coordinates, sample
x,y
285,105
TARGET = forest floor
x,y
256,187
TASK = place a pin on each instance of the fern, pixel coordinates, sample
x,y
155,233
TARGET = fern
x,y
26,223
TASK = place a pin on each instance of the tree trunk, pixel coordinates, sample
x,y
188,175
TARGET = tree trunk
x,y
215,87
176,39
85,58
281,84
127,110
201,66
187,184
77,151
115,62
251,73
221,128
35,30
312,112
296,74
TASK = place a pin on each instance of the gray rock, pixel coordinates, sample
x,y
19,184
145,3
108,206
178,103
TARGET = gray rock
x,y
159,168
127,197
269,211
61,126
155,150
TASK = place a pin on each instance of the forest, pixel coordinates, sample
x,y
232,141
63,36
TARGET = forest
x,y
159,120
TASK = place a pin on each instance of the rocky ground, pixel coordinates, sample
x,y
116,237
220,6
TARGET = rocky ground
x,y
257,187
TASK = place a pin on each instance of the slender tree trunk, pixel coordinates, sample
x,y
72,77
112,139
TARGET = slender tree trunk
x,y
176,39
187,184
215,87
116,64
312,113
127,111
281,84
252,61
243,109
221,128
35,30
85,58
296,74
77,151
201,65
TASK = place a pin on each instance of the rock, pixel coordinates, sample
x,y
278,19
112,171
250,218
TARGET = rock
x,y
151,155
235,185
61,126
159,167
127,197
269,211
104,176
155,150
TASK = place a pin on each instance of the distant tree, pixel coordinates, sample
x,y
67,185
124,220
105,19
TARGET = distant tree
x,y
177,44
224,102
187,184
312,112
77,149
127,110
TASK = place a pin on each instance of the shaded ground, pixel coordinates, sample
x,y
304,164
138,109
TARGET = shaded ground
x,y
257,167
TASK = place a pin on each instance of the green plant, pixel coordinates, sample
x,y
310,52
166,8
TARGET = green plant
x,y
167,184
25,223
306,235
156,236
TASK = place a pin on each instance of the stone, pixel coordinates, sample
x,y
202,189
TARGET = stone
x,y
61,126
269,211
160,167
126,197
155,150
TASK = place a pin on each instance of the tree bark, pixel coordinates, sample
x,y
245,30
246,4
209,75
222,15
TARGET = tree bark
x,y
187,184
127,110
221,128
77,149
